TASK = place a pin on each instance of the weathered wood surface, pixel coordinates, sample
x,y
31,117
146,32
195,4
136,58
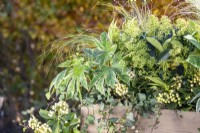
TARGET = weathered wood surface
x,y
117,112
169,122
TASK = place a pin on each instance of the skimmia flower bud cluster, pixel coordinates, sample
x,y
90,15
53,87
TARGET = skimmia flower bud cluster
x,y
195,81
60,108
171,97
177,83
37,126
131,74
120,89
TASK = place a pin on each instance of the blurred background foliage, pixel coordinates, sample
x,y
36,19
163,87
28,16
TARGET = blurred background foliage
x,y
26,26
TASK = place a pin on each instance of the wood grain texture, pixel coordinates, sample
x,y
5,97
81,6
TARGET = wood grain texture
x,y
172,122
169,122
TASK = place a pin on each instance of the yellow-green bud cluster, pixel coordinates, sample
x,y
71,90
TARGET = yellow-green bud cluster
x,y
187,98
195,81
121,89
177,83
44,128
60,108
36,125
171,97
131,74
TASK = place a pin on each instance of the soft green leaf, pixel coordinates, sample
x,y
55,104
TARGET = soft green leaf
x,y
71,87
83,81
167,44
164,55
193,41
176,42
56,128
76,131
194,60
100,86
158,81
65,64
59,78
111,78
51,122
155,43
48,95
44,114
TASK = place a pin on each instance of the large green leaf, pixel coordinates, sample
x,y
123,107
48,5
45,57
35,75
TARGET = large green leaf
x,y
155,43
193,41
194,60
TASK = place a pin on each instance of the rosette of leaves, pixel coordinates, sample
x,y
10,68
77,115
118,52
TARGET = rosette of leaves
x,y
95,68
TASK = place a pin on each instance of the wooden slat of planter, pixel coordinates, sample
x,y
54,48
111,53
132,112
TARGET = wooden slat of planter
x,y
118,112
169,122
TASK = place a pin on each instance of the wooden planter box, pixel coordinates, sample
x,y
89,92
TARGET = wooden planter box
x,y
169,122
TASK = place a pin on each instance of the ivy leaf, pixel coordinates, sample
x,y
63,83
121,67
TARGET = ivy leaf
x,y
90,119
155,43
113,120
142,97
193,41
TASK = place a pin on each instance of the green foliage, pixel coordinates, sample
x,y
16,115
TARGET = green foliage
x,y
143,67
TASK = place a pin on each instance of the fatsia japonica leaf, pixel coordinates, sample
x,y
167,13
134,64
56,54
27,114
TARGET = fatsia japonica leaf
x,y
104,50
56,83
72,79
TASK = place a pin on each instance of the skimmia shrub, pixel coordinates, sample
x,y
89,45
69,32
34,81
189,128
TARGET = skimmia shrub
x,y
145,65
